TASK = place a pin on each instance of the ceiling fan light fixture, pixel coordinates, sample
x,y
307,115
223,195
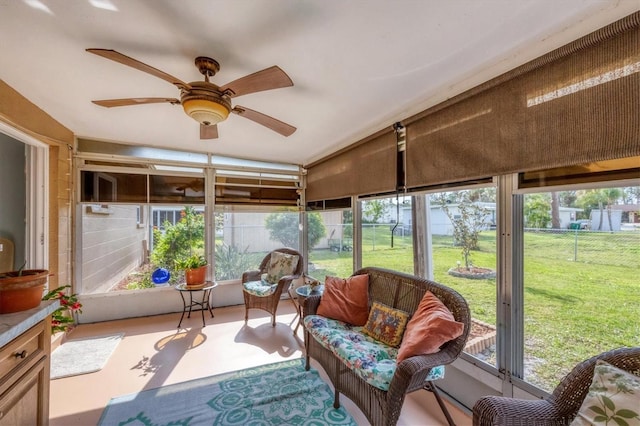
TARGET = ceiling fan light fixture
x,y
205,111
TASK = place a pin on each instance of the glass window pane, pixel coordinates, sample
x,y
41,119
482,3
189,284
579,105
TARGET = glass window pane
x,y
387,243
108,187
120,253
113,247
330,243
462,225
244,238
177,233
176,189
581,287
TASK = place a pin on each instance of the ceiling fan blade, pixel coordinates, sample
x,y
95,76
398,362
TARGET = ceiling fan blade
x,y
209,132
109,103
276,125
267,79
134,63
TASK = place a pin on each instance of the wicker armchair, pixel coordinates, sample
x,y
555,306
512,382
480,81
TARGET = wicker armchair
x,y
270,301
561,407
400,291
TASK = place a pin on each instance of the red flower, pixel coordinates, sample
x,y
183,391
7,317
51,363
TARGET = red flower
x,y
76,306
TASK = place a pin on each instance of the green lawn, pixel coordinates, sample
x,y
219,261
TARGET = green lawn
x,y
581,295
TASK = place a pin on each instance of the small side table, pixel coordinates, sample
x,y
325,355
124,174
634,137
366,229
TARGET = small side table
x,y
303,292
203,305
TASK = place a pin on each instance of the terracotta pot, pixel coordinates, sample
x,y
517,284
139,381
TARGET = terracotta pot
x,y
195,276
21,291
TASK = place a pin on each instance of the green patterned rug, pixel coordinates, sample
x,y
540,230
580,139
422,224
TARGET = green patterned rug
x,y
275,394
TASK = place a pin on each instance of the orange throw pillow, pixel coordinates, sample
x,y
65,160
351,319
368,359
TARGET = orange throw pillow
x,y
431,326
346,300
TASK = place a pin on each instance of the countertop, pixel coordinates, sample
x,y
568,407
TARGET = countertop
x,y
13,325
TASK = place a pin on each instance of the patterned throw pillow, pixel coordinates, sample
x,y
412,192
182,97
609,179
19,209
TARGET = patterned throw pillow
x,y
281,264
386,324
613,398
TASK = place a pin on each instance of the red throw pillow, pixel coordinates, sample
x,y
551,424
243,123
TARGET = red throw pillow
x,y
431,326
346,300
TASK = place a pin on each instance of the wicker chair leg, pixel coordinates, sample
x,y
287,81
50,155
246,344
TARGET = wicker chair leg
x,y
336,400
307,357
432,388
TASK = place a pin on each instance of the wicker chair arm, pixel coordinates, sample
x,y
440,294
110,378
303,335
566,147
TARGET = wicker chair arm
x,y
251,276
497,410
284,283
412,372
288,278
310,305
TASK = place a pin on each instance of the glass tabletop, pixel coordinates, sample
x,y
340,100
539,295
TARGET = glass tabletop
x,y
305,290
204,286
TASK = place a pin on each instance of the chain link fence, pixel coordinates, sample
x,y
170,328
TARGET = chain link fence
x,y
619,248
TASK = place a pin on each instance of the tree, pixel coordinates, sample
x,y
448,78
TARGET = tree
x,y
536,211
467,224
284,227
555,210
347,224
612,195
568,198
315,228
374,210
483,195
600,199
631,195
179,240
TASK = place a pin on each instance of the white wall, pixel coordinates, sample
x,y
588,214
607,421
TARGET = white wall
x,y
147,302
616,220
111,245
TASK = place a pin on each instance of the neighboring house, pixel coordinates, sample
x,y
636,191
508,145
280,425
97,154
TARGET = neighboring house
x,y
441,224
616,220
630,212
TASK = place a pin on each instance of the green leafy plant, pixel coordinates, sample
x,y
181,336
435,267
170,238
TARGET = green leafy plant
x,y
63,318
231,262
174,246
284,227
191,262
180,240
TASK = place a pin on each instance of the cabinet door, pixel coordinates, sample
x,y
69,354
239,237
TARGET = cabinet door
x,y
19,405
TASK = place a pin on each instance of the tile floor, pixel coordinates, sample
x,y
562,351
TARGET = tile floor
x,y
154,352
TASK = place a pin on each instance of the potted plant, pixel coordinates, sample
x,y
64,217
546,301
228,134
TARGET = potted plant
x,y
22,289
195,269
63,319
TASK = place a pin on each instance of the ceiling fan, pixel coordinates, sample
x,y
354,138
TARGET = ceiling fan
x,y
204,101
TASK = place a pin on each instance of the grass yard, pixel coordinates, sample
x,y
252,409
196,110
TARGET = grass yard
x,y
581,291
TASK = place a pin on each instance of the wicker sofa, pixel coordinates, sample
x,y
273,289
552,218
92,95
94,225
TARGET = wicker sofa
x,y
561,407
399,291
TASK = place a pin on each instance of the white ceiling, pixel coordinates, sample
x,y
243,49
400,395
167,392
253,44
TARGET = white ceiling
x,y
358,66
